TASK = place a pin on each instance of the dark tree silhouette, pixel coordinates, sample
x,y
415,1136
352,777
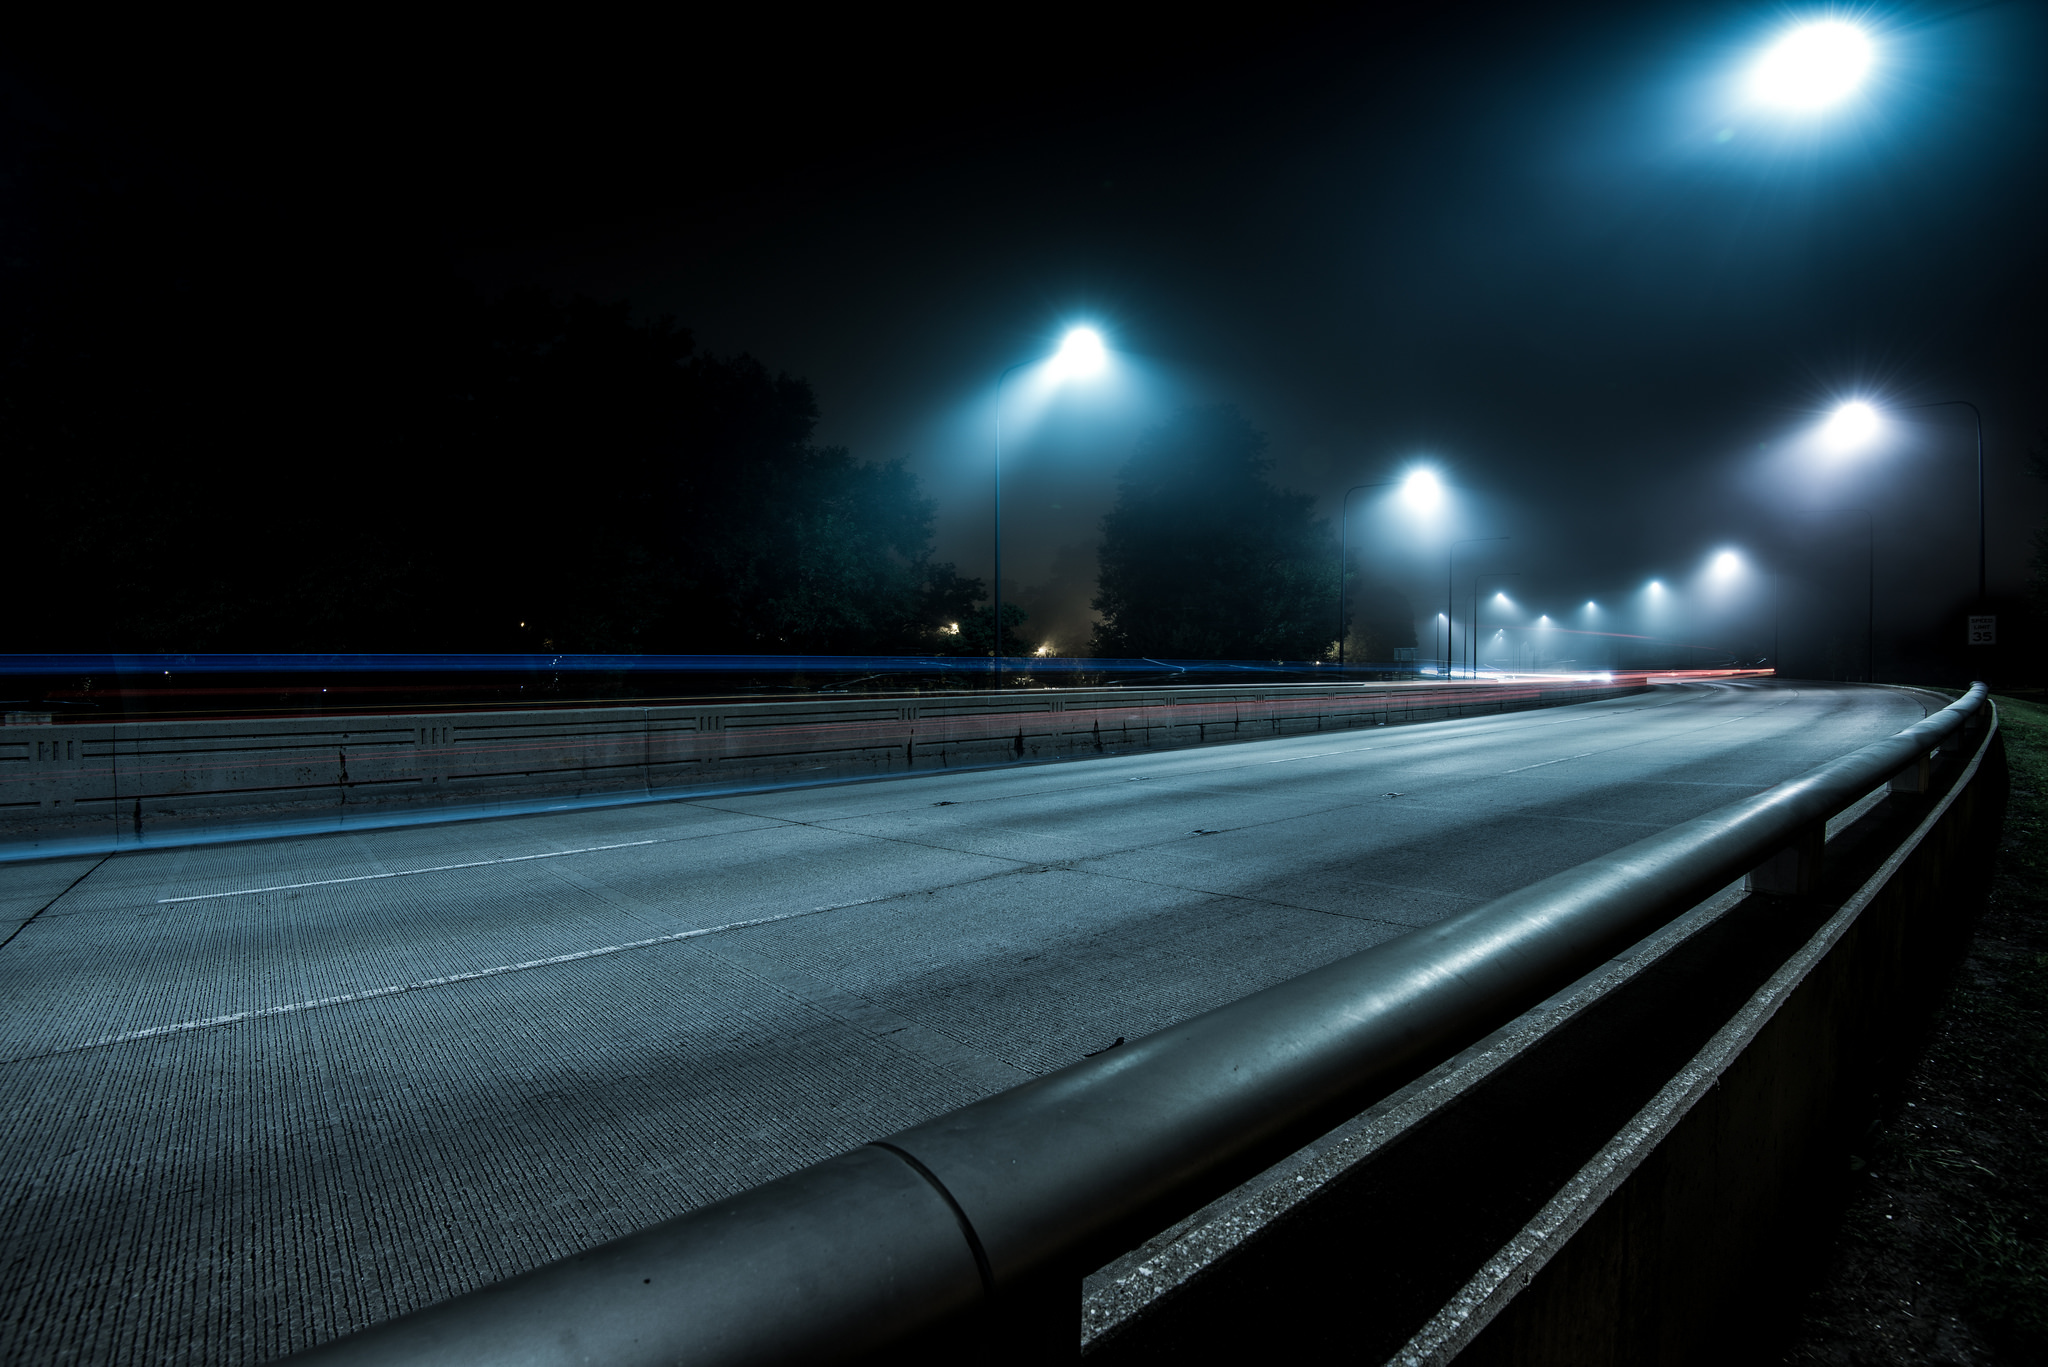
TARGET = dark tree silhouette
x,y
215,441
671,501
1204,558
1382,621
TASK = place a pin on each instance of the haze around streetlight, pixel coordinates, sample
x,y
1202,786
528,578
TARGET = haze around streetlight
x,y
1813,66
1851,425
1422,490
1081,354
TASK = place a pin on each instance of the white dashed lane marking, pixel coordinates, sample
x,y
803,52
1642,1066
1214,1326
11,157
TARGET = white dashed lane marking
x,y
401,873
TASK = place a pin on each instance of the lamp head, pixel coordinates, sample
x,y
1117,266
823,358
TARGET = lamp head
x,y
1422,489
1813,66
1851,425
1081,354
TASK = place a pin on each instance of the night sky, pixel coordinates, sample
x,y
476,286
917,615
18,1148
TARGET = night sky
x,y
1553,251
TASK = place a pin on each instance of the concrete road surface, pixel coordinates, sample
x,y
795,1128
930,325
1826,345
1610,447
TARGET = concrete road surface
x,y
260,1095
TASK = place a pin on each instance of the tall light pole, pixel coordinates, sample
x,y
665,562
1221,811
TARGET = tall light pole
x,y
1081,353
1869,592
1974,413
1344,526
1450,591
1505,574
1855,423
1423,490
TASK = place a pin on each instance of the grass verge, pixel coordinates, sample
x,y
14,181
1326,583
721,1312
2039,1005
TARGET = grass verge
x,y
1943,1252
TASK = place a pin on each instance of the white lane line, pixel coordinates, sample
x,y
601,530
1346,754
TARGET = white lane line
x,y
402,873
1559,760
1321,754
372,993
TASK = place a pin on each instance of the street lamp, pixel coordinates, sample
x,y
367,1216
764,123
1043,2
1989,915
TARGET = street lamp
x,y
1869,587
1500,595
1855,423
1653,619
1451,590
1422,491
1813,66
1081,355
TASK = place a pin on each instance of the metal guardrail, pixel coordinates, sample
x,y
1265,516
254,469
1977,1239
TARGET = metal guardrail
x,y
904,1238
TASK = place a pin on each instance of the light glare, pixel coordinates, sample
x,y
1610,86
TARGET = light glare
x,y
1727,563
1081,354
1812,66
1422,490
1851,425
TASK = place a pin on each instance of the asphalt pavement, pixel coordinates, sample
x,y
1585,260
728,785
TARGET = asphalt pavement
x,y
262,1094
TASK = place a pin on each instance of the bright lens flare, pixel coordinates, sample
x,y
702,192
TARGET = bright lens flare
x,y
1851,425
1082,353
1422,490
1726,563
1812,66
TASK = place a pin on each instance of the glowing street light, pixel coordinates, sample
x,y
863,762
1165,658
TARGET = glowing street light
x,y
1855,423
1725,565
1451,594
1080,356
1851,425
1813,66
1422,492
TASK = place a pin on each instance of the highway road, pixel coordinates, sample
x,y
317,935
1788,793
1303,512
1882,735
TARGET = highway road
x,y
261,1094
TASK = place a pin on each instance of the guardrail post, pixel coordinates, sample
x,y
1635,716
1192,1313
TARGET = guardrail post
x,y
1915,777
1794,870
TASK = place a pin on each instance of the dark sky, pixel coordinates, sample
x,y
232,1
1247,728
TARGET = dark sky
x,y
1547,248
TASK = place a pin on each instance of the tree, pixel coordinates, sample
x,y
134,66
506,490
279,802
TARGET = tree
x,y
1203,557
699,516
1382,621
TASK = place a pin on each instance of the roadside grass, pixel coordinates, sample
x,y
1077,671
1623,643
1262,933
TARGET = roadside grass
x,y
1943,1252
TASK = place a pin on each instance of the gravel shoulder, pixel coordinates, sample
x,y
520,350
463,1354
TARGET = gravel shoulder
x,y
1942,1255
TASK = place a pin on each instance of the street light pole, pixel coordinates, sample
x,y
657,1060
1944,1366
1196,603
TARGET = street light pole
x,y
1507,574
1081,353
1450,592
1870,589
996,586
1344,526
1965,403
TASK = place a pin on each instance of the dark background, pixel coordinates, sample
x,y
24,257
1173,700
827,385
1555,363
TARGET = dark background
x,y
1512,240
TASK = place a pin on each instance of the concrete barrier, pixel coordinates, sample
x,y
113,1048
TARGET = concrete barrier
x,y
1643,1169
66,787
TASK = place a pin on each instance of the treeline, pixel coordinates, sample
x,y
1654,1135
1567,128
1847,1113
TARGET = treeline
x,y
1204,557
215,438
527,474
537,475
